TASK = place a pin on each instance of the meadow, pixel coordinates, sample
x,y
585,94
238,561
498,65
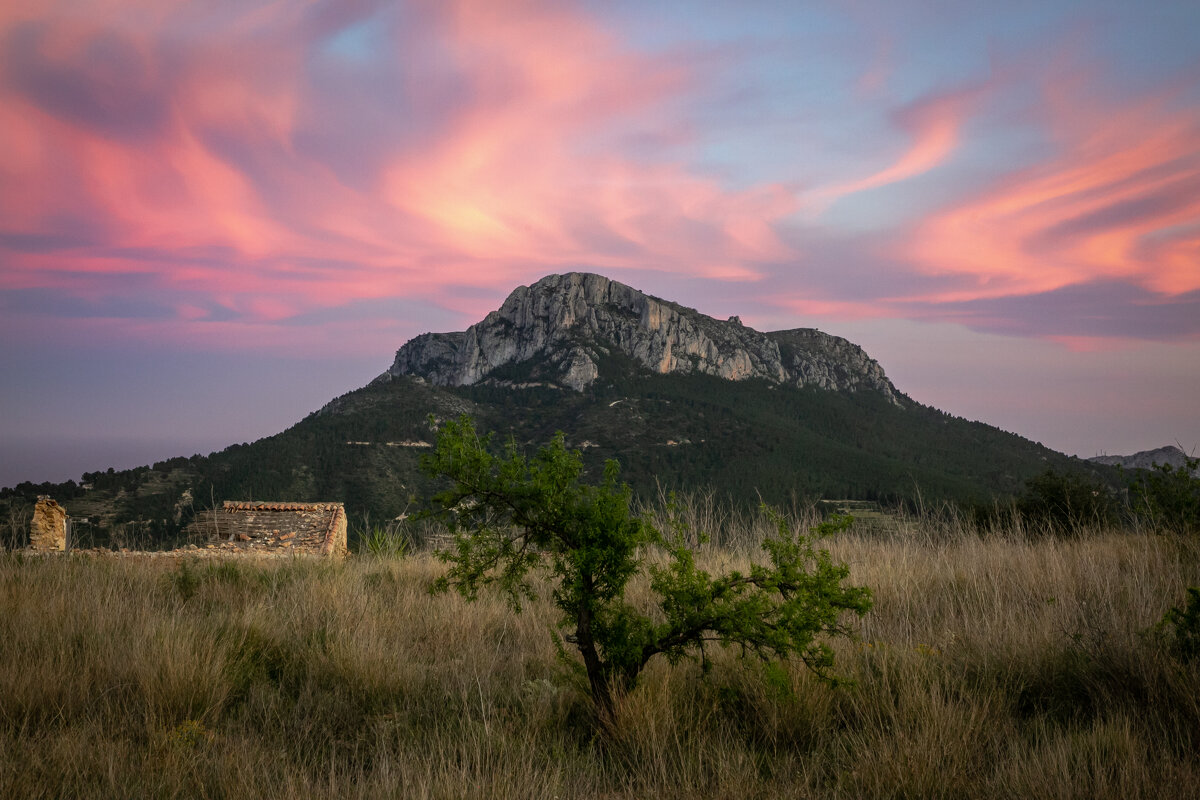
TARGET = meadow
x,y
1000,662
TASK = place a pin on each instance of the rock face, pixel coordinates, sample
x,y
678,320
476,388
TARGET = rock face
x,y
48,531
1147,459
560,329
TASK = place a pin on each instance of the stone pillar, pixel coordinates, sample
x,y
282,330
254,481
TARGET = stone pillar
x,y
48,531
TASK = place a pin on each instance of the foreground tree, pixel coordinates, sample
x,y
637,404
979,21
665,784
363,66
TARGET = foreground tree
x,y
511,515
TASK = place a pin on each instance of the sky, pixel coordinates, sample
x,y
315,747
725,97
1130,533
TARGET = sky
x,y
217,216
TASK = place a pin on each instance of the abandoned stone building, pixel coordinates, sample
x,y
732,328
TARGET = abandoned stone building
x,y
302,528
237,528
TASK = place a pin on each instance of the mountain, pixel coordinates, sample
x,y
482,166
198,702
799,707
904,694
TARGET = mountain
x,y
561,328
679,399
1146,459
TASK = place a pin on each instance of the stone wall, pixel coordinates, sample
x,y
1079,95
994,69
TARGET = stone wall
x,y
48,531
237,528
303,528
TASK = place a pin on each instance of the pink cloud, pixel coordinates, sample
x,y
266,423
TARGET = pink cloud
x,y
518,180
1120,200
933,125
1092,344
215,198
807,306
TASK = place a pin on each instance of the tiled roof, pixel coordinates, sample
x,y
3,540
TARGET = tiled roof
x,y
244,505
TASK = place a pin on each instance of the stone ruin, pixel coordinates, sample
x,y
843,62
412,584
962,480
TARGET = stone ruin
x,y
274,528
48,531
237,528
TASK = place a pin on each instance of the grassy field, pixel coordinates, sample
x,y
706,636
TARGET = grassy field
x,y
994,664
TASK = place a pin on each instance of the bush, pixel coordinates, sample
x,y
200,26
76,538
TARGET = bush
x,y
389,542
1066,502
1169,497
511,515
1181,625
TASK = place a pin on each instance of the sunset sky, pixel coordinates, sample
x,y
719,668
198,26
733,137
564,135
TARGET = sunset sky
x,y
216,216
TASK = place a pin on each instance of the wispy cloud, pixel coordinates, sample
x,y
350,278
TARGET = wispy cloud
x,y
1119,200
933,126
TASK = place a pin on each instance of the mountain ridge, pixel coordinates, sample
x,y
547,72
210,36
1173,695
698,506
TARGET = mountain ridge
x,y
570,322
1146,459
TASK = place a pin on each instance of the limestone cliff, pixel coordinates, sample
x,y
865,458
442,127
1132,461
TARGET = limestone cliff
x,y
1147,459
563,326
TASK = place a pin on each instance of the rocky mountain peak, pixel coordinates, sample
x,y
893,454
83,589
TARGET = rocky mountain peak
x,y
1147,459
563,326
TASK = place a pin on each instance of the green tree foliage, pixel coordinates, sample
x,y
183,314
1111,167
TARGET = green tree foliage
x,y
1065,501
512,514
1169,497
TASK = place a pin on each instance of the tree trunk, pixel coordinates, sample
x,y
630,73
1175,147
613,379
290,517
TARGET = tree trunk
x,y
597,676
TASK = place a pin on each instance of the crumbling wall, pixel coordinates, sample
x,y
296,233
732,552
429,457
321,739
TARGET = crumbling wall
x,y
304,528
48,531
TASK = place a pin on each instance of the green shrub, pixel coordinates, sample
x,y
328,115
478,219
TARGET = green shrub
x,y
185,580
387,542
1169,497
1066,502
1181,625
511,515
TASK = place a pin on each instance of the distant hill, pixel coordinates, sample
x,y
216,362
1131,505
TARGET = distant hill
x,y
680,399
1146,459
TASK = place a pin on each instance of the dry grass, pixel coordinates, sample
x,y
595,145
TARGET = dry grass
x,y
992,666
